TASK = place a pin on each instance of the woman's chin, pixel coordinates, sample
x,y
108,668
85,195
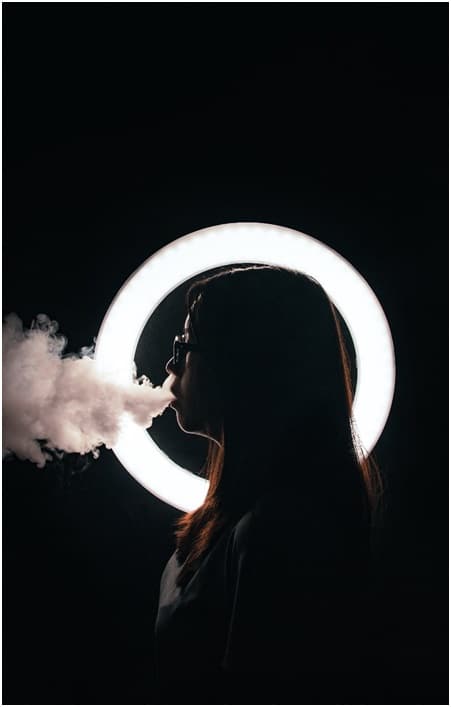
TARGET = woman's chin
x,y
186,425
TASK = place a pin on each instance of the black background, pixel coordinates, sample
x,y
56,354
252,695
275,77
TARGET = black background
x,y
129,125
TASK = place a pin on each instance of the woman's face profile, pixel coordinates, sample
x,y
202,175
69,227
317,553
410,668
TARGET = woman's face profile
x,y
197,402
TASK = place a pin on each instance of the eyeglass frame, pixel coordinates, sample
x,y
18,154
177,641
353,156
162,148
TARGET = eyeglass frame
x,y
180,348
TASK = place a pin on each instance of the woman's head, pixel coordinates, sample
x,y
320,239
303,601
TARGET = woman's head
x,y
268,361
265,377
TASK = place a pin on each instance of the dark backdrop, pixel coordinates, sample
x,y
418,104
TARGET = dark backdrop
x,y
129,125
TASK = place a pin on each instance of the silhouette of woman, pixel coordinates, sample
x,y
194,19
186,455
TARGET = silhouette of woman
x,y
262,599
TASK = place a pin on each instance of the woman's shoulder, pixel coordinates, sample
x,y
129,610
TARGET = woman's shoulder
x,y
275,520
286,525
284,509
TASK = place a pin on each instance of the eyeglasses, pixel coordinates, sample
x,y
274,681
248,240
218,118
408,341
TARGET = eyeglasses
x,y
181,347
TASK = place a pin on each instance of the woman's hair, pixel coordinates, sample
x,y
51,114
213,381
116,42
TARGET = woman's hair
x,y
273,342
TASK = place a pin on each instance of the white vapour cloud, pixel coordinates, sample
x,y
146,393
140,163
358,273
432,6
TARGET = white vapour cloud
x,y
64,399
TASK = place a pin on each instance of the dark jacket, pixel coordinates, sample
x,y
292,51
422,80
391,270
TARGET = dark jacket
x,y
274,614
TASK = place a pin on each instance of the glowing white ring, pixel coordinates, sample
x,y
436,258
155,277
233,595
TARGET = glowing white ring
x,y
229,244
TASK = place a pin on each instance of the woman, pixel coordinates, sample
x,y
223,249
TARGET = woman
x,y
262,599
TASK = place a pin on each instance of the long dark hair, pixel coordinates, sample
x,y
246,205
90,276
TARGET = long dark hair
x,y
272,338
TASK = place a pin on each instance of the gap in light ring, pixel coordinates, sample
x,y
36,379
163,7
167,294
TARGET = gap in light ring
x,y
231,244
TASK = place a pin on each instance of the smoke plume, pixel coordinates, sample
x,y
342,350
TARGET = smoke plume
x,y
53,401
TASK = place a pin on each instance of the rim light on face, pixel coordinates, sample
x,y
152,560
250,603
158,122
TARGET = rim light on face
x,y
229,244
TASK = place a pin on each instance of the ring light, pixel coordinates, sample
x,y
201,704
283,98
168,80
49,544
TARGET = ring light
x,y
230,244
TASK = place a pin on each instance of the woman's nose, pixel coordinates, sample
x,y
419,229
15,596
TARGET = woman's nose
x,y
170,366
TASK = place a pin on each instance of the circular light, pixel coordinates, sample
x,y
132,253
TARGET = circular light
x,y
230,244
